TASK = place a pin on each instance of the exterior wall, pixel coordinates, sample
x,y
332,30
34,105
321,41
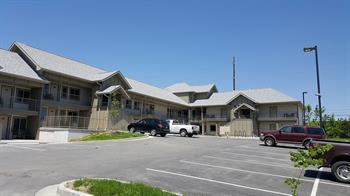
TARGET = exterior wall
x,y
187,97
201,96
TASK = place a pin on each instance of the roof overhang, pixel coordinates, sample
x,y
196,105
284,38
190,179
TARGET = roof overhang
x,y
25,78
112,89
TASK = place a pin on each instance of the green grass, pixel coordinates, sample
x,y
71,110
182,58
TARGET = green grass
x,y
110,136
101,187
340,139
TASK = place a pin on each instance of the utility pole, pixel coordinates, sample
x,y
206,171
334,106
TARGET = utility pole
x,y
233,73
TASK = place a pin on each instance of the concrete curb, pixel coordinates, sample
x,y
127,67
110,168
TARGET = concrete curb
x,y
62,190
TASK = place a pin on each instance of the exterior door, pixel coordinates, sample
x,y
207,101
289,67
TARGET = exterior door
x,y
6,93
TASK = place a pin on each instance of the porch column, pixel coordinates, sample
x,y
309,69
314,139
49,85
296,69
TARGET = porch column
x,y
202,117
189,116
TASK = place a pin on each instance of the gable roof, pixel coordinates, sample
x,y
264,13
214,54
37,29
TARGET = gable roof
x,y
184,88
258,96
155,92
12,64
47,61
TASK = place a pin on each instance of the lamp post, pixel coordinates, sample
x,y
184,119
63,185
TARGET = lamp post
x,y
304,107
310,49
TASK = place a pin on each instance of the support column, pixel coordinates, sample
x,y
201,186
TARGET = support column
x,y
189,116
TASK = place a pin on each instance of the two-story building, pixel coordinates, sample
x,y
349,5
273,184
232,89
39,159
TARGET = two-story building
x,y
77,97
20,97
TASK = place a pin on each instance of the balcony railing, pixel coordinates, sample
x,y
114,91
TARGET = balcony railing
x,y
278,116
20,103
48,96
75,122
213,117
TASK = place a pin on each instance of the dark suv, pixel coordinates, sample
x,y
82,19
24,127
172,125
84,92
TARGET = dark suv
x,y
150,125
292,134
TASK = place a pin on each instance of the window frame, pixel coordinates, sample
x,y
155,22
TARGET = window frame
x,y
76,96
22,98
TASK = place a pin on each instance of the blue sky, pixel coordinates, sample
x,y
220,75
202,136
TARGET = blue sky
x,y
164,42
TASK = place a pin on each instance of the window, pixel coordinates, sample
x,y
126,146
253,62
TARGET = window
x,y
286,130
179,114
212,128
315,131
298,130
128,104
64,94
136,105
74,94
22,96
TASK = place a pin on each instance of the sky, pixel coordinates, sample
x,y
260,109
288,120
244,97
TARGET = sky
x,y
162,42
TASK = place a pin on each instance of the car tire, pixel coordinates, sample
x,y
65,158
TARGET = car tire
x,y
341,170
132,130
190,135
163,134
153,132
269,141
306,144
183,133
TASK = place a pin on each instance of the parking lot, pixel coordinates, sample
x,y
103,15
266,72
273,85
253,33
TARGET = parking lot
x,y
194,166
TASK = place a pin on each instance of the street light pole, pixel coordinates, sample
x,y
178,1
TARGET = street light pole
x,y
304,107
318,82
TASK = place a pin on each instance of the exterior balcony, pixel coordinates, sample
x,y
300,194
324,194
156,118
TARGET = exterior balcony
x,y
19,106
280,116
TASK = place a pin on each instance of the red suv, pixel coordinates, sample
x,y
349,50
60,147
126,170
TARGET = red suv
x,y
293,134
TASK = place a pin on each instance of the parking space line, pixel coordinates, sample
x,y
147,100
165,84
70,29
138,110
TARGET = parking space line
x,y
262,173
217,181
286,166
257,156
317,181
24,147
241,170
271,153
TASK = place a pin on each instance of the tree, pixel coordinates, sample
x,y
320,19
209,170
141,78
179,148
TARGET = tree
x,y
303,159
115,107
308,113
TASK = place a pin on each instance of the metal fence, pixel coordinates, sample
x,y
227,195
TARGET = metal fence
x,y
75,122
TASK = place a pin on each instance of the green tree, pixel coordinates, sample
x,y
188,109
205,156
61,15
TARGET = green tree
x,y
303,159
115,107
308,113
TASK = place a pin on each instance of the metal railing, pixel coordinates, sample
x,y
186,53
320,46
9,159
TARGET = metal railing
x,y
20,103
278,115
76,122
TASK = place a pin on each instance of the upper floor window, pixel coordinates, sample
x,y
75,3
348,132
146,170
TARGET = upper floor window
x,y
151,109
22,96
179,114
136,105
64,93
74,94
104,100
128,104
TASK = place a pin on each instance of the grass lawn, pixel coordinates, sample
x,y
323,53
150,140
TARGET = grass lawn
x,y
110,136
102,187
340,139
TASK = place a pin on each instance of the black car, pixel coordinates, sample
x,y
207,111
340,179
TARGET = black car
x,y
150,125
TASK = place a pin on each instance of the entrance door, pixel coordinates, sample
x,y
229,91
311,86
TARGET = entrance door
x,y
6,93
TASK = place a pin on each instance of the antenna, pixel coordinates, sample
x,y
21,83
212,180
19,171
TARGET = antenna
x,y
233,73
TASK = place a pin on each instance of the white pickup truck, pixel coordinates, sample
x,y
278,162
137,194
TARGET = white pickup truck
x,y
184,130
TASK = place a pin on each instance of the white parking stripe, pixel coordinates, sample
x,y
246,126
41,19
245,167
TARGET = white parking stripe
x,y
262,173
217,181
315,187
263,152
257,156
241,170
24,147
286,166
